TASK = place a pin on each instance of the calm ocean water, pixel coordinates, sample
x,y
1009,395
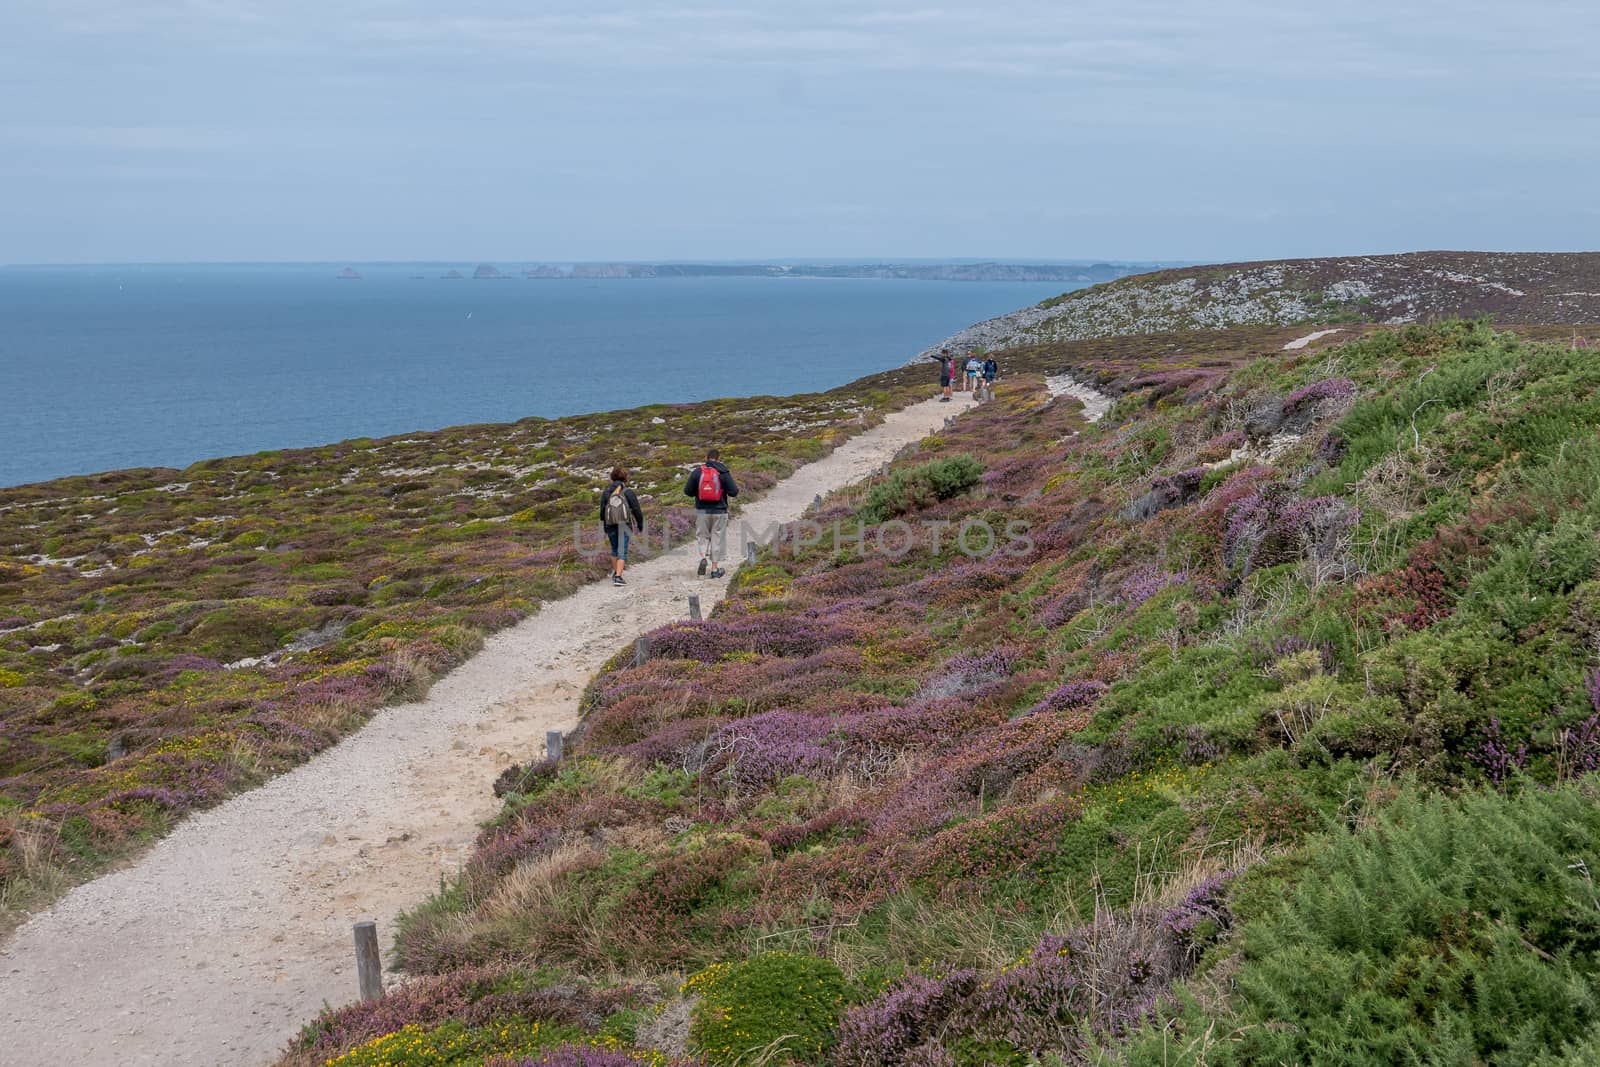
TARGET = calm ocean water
x,y
144,366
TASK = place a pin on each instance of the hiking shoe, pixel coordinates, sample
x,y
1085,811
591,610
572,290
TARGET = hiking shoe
x,y
944,400
718,573
616,579
702,571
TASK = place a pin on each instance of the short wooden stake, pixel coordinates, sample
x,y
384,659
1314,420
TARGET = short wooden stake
x,y
369,973
694,607
641,651
553,744
750,552
816,502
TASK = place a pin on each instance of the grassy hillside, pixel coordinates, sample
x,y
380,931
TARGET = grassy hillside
x,y
1271,741
1533,288
169,636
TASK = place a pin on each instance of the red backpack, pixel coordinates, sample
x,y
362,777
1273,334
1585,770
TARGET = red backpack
x,y
710,484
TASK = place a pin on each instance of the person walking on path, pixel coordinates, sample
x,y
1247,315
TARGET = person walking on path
x,y
710,484
947,372
991,371
974,365
621,517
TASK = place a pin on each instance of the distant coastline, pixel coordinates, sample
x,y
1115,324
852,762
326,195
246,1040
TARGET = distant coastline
x,y
954,270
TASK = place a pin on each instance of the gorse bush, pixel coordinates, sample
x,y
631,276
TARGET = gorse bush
x,y
908,489
777,1002
1452,931
449,1045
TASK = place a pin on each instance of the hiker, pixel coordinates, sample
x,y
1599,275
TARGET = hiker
x,y
621,517
973,366
947,372
991,371
711,484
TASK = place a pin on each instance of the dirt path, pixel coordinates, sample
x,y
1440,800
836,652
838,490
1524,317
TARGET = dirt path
x,y
230,933
1300,342
1095,403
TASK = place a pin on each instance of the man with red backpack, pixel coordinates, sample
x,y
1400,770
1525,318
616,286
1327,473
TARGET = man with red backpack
x,y
710,485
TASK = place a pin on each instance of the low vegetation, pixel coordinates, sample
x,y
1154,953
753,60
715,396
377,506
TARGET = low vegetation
x,y
168,636
1528,288
1273,741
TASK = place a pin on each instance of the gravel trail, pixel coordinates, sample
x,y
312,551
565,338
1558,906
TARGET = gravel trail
x,y
230,933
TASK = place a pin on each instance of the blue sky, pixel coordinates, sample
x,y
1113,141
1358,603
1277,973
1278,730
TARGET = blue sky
x,y
354,130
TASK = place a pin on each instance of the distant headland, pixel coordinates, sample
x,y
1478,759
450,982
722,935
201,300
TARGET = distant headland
x,y
942,272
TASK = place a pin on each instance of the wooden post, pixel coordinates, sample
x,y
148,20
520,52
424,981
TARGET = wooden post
x,y
750,552
553,744
641,651
816,502
369,973
694,607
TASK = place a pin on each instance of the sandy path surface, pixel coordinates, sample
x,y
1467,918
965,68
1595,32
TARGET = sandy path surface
x,y
1095,403
229,934
1301,342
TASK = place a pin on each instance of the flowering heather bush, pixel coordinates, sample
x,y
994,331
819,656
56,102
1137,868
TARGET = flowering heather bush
x,y
1496,756
982,850
1166,491
1271,527
525,778
1201,916
882,1031
760,750
966,673
852,817
592,1056
672,744
910,726
1222,446
1095,981
1077,693
1316,392
1146,582
1332,447
712,640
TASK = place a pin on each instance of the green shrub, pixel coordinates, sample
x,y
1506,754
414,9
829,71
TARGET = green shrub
x,y
916,487
777,1000
1452,931
452,1044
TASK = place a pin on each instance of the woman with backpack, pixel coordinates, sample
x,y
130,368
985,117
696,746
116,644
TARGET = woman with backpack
x,y
620,516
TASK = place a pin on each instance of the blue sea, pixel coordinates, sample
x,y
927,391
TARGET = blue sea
x,y
111,367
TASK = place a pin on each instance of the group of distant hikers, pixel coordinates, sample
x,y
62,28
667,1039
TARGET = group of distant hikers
x,y
970,375
711,484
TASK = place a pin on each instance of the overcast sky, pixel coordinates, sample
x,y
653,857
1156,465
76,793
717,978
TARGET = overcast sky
x,y
353,130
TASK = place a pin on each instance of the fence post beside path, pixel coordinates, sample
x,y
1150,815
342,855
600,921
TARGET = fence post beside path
x,y
369,973
694,607
554,742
